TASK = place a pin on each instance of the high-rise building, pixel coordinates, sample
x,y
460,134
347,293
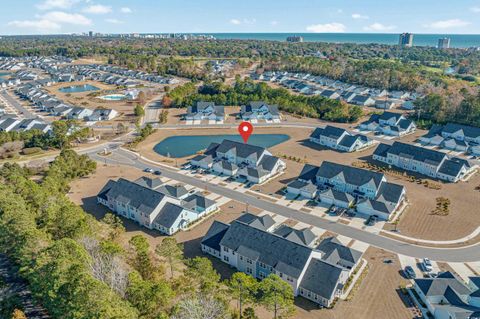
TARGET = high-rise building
x,y
295,39
444,43
405,40
90,34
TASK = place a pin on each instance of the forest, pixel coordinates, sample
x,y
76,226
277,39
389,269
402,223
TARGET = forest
x,y
77,266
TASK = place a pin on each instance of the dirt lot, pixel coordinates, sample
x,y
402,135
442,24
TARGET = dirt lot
x,y
416,221
375,297
83,98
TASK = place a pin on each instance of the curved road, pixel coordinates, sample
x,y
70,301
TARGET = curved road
x,y
461,254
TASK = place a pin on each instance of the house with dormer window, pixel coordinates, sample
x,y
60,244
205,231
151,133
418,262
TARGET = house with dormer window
x,y
260,111
253,163
205,111
318,274
347,186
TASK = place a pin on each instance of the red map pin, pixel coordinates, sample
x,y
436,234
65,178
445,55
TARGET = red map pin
x,y
245,129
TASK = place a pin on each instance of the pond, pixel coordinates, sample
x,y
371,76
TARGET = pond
x,y
78,88
113,97
182,146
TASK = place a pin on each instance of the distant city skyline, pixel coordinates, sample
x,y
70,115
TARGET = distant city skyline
x,y
248,16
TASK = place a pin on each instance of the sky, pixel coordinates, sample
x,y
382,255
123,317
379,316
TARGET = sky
x,y
218,16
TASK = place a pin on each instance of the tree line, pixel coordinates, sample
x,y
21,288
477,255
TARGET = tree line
x,y
245,91
78,267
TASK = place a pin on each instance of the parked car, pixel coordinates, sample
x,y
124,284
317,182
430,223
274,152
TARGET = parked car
x,y
148,170
187,166
157,173
409,272
427,265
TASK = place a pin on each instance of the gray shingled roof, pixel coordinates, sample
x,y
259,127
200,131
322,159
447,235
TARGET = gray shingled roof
x,y
321,278
196,200
351,175
175,191
142,198
152,183
240,149
168,215
214,235
469,131
417,153
335,252
304,236
284,255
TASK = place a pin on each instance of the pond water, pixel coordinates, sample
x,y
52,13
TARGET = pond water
x,y
113,97
78,88
182,146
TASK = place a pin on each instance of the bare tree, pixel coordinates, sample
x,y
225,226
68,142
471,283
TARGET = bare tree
x,y
106,267
201,307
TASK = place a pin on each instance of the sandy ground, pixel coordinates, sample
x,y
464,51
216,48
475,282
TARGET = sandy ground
x,y
374,298
416,221
83,98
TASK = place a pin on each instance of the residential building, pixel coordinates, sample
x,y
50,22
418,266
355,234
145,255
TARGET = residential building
x,y
347,187
447,297
205,111
454,137
339,139
295,38
314,274
443,43
424,161
144,202
260,111
362,100
252,163
389,123
405,40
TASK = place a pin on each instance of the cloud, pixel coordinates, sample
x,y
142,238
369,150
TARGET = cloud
x,y
274,23
97,9
114,21
333,27
40,25
64,17
358,16
475,9
126,10
379,27
56,4
447,24
243,21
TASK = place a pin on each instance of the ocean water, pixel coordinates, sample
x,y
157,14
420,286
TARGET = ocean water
x,y
182,146
457,40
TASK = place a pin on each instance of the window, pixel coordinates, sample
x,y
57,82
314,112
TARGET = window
x,y
225,258
262,265
225,249
249,270
241,257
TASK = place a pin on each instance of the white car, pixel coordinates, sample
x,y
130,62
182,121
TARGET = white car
x,y
427,265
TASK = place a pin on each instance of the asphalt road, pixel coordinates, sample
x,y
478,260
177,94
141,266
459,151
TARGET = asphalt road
x,y
463,254
15,104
